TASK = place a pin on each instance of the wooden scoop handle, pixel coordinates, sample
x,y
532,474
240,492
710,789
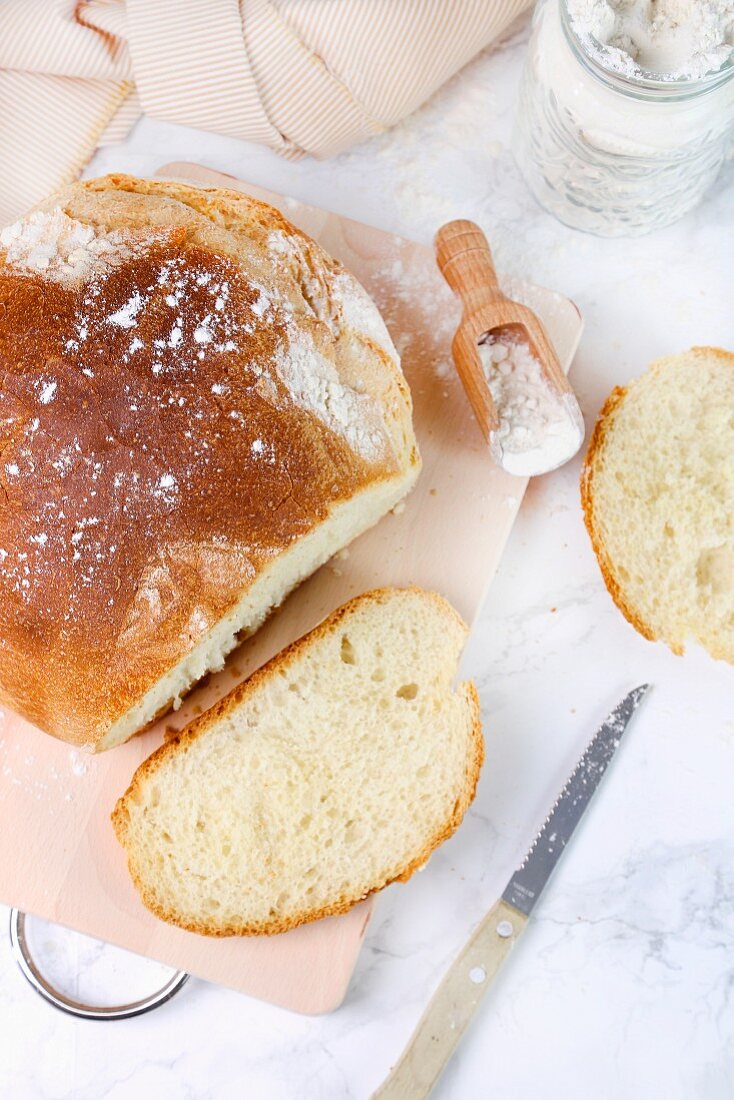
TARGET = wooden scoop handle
x,y
465,261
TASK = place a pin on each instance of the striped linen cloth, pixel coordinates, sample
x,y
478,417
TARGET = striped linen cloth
x,y
300,76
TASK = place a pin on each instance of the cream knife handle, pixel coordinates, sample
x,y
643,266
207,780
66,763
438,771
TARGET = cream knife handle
x,y
453,1005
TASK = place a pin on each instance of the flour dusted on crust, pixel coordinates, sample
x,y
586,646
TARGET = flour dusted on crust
x,y
167,480
314,385
334,296
58,247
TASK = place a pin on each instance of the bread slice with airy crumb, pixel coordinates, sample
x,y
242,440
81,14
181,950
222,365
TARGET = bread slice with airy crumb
x,y
335,770
658,498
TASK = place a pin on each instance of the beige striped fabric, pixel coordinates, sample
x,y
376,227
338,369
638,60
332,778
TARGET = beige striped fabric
x,y
300,76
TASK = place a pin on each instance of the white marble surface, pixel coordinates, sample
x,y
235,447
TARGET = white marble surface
x,y
622,986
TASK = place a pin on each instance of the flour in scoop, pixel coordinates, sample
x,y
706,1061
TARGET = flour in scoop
x,y
536,430
673,39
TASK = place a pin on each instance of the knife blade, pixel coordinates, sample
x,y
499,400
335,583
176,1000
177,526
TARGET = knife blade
x,y
526,884
453,1005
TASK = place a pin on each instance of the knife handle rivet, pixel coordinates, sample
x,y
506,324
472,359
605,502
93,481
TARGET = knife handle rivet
x,y
504,929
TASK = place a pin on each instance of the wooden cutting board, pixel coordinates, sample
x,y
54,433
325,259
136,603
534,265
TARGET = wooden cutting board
x,y
58,855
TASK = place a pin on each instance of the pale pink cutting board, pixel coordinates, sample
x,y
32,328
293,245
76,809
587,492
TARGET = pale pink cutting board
x,y
58,856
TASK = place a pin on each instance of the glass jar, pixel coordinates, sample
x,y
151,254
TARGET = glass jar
x,y
609,153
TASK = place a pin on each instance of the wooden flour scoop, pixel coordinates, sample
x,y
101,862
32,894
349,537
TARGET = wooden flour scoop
x,y
465,261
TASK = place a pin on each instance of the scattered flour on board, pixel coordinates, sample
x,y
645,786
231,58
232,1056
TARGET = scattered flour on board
x,y
78,765
405,286
35,777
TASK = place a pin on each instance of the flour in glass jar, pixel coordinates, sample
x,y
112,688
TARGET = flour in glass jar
x,y
673,39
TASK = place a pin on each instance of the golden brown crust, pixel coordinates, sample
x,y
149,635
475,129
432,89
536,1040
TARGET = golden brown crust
x,y
230,702
163,478
221,205
602,428
596,443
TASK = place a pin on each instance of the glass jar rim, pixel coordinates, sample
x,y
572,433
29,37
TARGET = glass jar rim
x,y
646,85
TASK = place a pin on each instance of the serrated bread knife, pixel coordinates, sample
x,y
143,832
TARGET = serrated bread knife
x,y
453,1005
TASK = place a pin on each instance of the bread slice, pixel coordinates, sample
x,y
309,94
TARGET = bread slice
x,y
335,770
658,498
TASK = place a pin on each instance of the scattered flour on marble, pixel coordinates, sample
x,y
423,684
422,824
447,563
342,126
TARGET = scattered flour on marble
x,y
414,161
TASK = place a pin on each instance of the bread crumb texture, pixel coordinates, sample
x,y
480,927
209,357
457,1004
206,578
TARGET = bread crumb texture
x,y
333,771
658,497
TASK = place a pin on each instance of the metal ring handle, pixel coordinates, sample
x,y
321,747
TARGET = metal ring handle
x,y
27,964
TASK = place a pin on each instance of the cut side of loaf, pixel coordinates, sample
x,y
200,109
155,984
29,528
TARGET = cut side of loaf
x,y
658,498
336,769
345,522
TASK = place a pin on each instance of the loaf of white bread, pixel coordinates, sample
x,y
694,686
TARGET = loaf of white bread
x,y
335,770
658,498
199,407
